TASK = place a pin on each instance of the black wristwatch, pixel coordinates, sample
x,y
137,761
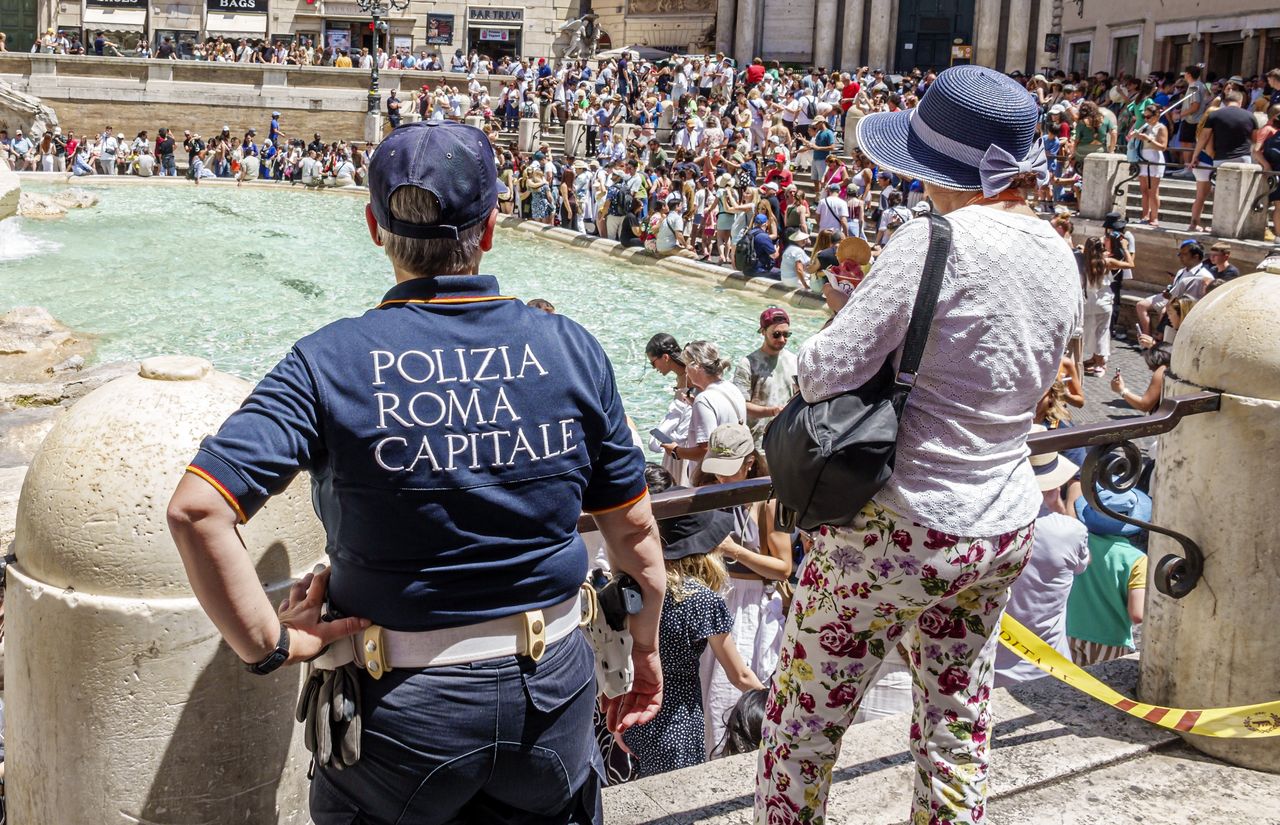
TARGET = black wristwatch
x,y
276,657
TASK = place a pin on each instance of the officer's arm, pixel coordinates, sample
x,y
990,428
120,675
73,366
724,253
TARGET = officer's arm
x,y
631,541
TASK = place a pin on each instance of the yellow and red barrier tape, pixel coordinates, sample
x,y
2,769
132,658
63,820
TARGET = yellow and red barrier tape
x,y
1245,722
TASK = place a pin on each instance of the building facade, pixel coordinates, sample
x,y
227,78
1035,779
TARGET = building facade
x,y
496,28
894,35
1137,36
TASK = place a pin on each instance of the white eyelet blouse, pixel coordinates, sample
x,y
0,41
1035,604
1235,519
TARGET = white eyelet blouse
x,y
1009,302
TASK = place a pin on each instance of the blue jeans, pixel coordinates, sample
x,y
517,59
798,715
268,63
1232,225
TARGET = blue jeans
x,y
168,166
498,741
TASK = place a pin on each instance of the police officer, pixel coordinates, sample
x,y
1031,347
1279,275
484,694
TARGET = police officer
x,y
453,436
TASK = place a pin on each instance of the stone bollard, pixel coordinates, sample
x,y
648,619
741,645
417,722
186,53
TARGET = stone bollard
x,y
1102,172
851,133
123,703
666,119
575,138
528,136
1214,647
625,132
475,120
1236,186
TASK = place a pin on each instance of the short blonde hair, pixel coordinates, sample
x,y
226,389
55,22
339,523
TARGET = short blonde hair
x,y
425,257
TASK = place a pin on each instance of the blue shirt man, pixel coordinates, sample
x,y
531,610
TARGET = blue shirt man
x,y
273,131
766,250
453,436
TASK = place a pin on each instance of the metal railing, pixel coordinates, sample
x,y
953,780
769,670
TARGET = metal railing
x,y
1114,463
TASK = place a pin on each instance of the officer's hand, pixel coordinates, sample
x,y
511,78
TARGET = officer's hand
x,y
645,699
300,611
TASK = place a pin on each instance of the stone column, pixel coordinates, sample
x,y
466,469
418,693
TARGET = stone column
x,y
986,33
824,34
1249,53
744,39
1211,648
114,675
1045,60
726,16
851,45
1015,48
878,45
1236,187
1102,172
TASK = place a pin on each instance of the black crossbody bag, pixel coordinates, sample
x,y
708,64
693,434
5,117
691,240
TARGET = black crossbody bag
x,y
829,458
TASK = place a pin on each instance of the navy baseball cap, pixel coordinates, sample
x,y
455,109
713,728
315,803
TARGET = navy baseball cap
x,y
450,160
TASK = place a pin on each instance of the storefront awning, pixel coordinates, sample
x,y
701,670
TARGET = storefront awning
x,y
115,19
236,24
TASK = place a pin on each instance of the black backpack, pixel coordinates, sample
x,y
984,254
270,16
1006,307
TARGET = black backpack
x,y
620,201
744,253
744,178
811,108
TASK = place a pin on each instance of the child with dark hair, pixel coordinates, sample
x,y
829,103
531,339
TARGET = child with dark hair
x,y
742,727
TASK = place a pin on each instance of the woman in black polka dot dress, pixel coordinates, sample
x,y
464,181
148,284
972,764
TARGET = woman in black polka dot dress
x,y
693,616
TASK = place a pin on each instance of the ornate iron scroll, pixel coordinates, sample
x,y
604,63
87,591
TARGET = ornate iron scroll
x,y
1116,467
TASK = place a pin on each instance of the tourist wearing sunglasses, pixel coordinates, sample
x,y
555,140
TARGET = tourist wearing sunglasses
x,y
767,377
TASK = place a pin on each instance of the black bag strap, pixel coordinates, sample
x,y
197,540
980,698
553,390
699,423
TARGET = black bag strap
x,y
935,264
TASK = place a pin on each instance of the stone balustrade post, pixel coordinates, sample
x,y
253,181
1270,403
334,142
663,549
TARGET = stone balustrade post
x,y
161,70
526,140
123,704
1215,483
1236,187
1102,172
575,138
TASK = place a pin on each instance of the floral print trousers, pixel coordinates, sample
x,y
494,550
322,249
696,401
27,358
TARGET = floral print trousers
x,y
863,589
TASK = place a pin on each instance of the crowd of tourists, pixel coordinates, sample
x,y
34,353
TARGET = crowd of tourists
x,y
753,178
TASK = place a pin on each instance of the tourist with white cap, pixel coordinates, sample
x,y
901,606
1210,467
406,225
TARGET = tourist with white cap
x,y
1059,553
949,532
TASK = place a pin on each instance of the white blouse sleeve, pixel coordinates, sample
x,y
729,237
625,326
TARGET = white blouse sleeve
x,y
872,325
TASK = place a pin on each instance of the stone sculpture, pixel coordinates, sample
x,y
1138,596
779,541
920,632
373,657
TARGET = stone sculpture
x,y
584,37
19,110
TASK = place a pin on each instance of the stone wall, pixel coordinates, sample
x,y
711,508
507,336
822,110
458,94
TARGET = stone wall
x,y
131,118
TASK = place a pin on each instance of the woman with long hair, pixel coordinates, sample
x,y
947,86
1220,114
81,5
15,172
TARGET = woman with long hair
x,y
725,205
928,562
1092,133
1154,137
1098,302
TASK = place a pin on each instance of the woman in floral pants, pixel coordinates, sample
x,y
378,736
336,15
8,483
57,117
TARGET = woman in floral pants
x,y
927,564
886,581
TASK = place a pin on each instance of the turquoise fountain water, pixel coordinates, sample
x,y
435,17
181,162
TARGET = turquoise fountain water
x,y
236,276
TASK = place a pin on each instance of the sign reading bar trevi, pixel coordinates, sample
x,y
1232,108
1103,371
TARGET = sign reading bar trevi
x,y
116,4
237,6
486,14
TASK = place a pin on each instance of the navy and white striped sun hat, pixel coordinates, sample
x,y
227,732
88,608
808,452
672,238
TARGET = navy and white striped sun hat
x,y
965,111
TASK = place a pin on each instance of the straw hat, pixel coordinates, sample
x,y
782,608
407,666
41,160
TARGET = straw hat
x,y
854,249
1052,470
724,181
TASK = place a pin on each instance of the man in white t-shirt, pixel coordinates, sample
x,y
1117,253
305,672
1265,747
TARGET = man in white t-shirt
x,y
1060,552
833,211
671,231
794,260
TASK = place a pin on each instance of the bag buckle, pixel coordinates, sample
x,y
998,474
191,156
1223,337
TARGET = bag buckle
x,y
374,649
905,380
533,634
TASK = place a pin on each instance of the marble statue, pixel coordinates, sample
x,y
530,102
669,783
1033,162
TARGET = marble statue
x,y
584,37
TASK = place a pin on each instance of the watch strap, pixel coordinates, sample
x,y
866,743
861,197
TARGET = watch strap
x,y
275,658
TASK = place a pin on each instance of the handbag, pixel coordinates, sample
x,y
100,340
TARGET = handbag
x,y
829,458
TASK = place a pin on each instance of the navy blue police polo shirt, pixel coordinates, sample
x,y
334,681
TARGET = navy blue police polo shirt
x,y
453,436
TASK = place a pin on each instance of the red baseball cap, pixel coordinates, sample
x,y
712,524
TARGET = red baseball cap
x,y
773,315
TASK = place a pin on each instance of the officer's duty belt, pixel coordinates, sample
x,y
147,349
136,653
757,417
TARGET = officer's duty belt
x,y
378,649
